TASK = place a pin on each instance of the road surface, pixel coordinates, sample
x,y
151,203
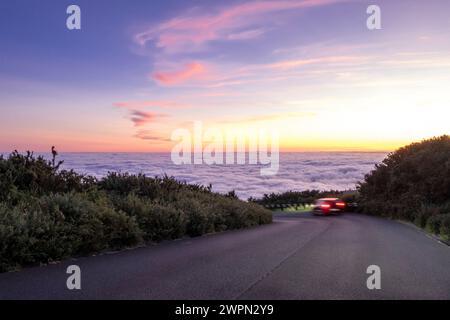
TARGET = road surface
x,y
296,257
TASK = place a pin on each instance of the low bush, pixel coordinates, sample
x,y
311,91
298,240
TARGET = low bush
x,y
433,224
440,225
412,176
156,221
413,184
427,211
58,226
200,216
36,176
48,214
445,226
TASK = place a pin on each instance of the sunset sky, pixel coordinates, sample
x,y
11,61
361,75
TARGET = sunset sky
x,y
138,70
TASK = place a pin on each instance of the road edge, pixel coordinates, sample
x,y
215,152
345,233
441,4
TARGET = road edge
x,y
430,235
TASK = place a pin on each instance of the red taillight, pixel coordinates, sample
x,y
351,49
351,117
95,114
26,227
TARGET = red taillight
x,y
340,204
325,206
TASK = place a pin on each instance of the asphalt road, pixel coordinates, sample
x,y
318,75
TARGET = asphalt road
x,y
297,257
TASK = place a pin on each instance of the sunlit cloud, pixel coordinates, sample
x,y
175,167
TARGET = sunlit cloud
x,y
344,68
149,135
140,118
309,68
190,71
150,104
192,32
291,64
286,69
268,117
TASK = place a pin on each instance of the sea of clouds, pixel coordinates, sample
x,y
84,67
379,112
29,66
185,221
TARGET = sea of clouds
x,y
298,171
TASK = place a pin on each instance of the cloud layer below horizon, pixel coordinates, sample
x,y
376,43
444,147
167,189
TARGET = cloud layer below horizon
x,y
298,171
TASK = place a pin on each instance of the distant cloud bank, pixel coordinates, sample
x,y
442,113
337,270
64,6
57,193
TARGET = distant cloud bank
x,y
298,171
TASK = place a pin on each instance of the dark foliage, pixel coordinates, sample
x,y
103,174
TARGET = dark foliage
x,y
48,214
412,183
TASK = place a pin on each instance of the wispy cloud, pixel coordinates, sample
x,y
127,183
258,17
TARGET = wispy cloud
x,y
190,71
289,64
315,65
192,32
285,69
162,104
268,117
140,118
149,135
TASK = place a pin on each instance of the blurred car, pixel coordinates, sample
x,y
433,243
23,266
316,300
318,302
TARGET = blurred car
x,y
328,206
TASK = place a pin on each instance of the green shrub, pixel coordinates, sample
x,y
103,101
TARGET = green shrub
x,y
163,222
423,214
157,222
36,176
47,214
16,240
412,183
191,213
162,189
433,224
200,218
445,226
31,235
231,215
59,226
256,216
94,227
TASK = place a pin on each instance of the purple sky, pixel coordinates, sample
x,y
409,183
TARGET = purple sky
x,y
137,70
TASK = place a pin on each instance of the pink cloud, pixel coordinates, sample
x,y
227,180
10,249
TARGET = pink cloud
x,y
289,64
283,69
192,32
140,118
150,104
148,135
190,71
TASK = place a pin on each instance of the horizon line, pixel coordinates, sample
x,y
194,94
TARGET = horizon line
x,y
168,152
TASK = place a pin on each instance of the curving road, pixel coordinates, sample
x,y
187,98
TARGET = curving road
x,y
296,257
